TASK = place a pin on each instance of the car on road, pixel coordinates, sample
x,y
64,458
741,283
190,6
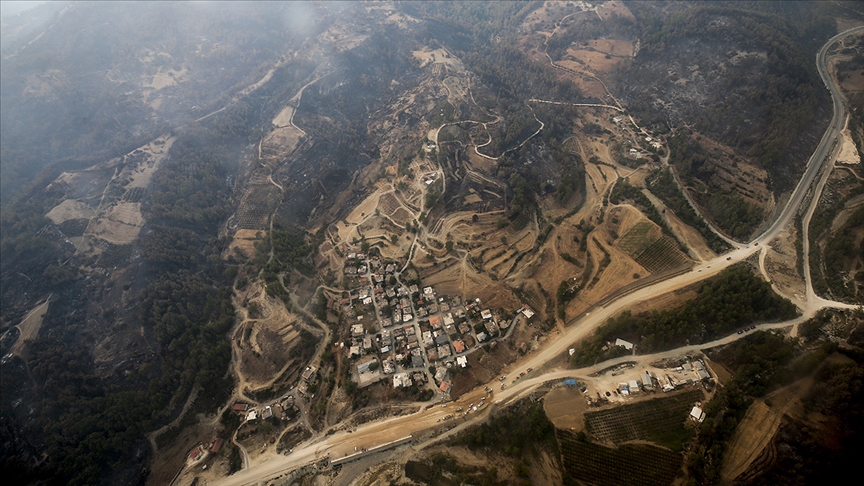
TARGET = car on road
x,y
728,258
459,409
530,370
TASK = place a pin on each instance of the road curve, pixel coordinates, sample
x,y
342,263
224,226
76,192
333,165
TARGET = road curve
x,y
826,145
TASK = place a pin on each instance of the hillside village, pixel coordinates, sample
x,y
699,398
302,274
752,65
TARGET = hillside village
x,y
412,335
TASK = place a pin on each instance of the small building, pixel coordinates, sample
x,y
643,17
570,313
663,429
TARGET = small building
x,y
308,373
633,385
697,414
217,445
240,407
401,380
445,387
252,415
527,312
458,346
647,382
462,361
486,314
625,344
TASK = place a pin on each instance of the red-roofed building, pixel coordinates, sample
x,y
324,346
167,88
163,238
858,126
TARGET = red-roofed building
x,y
459,346
217,445
445,387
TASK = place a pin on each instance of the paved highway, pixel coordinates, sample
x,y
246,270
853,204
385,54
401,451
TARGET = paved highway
x,y
371,434
826,146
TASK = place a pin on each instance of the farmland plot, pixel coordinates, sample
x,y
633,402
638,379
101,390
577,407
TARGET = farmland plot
x,y
661,420
628,465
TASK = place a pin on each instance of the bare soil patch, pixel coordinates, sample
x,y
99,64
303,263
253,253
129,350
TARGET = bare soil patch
x,y
30,325
849,152
592,60
428,56
759,426
244,241
565,406
70,209
113,231
781,265
139,175
283,119
613,47
167,78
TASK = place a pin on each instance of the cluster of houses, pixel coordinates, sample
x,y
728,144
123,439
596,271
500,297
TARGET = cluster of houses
x,y
400,331
689,373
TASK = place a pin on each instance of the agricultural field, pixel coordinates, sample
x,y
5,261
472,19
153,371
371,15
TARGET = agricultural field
x,y
638,239
630,464
662,255
661,420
